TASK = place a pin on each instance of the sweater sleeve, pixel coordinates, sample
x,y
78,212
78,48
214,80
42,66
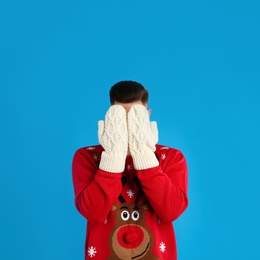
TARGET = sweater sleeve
x,y
95,190
165,186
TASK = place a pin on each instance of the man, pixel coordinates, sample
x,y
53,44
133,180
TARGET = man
x,y
129,188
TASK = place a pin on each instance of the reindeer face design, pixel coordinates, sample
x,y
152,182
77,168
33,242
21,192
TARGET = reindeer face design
x,y
130,240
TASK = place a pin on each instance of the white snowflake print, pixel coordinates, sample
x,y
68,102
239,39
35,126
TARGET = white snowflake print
x,y
165,147
162,247
105,222
159,221
130,193
90,148
95,157
163,156
129,167
92,251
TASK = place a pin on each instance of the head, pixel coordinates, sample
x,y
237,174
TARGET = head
x,y
128,93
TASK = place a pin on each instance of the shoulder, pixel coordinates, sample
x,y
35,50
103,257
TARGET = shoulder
x,y
93,151
90,149
166,153
163,149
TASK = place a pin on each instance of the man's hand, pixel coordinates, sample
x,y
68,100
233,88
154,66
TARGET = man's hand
x,y
142,135
112,135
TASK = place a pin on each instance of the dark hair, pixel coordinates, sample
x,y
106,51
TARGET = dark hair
x,y
128,91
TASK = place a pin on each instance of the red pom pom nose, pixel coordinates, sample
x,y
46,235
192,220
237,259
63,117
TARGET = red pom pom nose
x,y
130,236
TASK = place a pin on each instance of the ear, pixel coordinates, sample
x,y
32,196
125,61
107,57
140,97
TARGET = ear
x,y
146,206
149,112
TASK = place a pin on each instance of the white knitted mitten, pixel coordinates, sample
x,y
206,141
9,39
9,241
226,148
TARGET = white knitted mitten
x,y
112,135
142,135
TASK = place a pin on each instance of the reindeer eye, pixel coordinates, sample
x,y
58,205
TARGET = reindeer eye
x,y
125,215
135,215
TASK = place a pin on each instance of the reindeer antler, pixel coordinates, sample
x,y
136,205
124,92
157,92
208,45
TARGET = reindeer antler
x,y
124,181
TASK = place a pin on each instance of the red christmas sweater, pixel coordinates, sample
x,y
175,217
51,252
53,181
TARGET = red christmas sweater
x,y
129,214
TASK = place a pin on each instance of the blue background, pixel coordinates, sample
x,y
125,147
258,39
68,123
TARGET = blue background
x,y
200,60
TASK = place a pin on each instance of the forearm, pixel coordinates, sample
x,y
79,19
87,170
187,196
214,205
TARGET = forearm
x,y
95,190
166,198
96,200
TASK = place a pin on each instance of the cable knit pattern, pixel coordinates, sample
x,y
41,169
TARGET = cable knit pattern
x,y
112,135
142,135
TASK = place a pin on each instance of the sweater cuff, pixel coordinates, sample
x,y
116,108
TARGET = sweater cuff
x,y
112,163
145,161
